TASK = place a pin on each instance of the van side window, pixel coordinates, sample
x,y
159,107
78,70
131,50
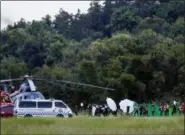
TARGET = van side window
x,y
44,104
27,104
60,105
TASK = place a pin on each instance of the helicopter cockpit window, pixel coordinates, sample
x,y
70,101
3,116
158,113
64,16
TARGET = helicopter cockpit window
x,y
60,105
29,97
26,97
33,96
38,95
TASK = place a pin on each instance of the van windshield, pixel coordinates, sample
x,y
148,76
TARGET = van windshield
x,y
60,105
27,104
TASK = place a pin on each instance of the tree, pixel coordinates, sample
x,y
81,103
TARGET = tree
x,y
62,23
124,19
137,48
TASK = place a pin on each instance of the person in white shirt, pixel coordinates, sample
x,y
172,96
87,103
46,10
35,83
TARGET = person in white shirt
x,y
24,86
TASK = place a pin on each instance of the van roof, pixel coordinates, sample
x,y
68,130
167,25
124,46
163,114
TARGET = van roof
x,y
45,100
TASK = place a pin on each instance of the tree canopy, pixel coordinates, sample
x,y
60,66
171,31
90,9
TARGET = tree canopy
x,y
136,48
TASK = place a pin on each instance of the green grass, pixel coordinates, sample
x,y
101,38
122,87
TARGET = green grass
x,y
94,125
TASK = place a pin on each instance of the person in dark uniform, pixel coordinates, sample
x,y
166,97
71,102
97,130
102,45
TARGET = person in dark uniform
x,y
89,107
105,112
141,110
136,110
174,108
76,110
153,110
167,109
98,111
161,108
145,110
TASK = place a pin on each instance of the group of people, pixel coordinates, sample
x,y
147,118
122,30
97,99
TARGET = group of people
x,y
164,109
24,87
8,88
94,109
13,91
98,110
4,98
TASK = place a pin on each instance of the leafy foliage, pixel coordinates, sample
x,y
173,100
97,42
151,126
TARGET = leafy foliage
x,y
135,48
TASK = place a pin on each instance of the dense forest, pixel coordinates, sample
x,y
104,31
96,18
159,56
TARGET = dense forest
x,y
135,47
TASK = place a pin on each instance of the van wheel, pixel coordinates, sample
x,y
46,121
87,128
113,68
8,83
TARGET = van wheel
x,y
70,115
28,116
60,115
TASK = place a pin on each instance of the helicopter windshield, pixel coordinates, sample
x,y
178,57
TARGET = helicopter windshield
x,y
34,95
28,95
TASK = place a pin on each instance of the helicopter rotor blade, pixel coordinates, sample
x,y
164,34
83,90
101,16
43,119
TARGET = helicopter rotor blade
x,y
47,81
10,80
82,84
58,84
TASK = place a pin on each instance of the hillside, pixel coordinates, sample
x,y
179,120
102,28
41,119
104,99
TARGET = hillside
x,y
136,48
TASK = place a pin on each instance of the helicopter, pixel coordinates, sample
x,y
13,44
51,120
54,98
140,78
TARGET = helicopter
x,y
28,90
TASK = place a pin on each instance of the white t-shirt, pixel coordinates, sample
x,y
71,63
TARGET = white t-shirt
x,y
174,102
81,104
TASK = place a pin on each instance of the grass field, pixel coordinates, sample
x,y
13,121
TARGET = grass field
x,y
94,125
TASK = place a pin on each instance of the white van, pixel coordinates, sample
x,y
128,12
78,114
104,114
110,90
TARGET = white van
x,y
41,107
